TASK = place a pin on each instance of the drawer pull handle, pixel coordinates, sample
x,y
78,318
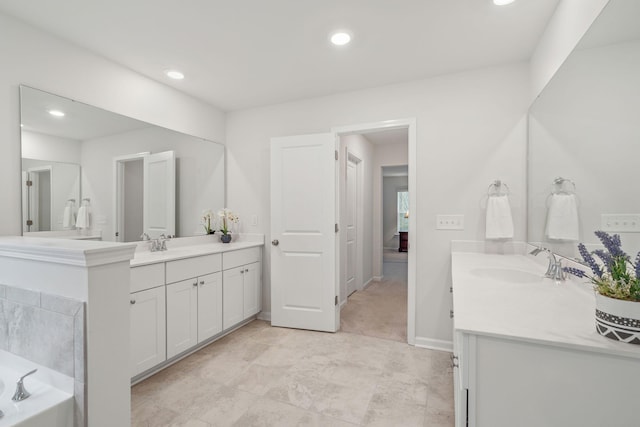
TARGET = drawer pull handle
x,y
132,301
451,314
246,271
201,282
241,271
195,283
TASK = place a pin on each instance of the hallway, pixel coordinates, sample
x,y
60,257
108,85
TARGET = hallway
x,y
380,310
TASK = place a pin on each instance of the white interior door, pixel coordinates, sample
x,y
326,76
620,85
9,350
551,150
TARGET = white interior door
x,y
159,210
351,225
303,251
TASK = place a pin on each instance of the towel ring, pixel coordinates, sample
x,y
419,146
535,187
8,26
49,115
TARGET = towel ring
x,y
559,186
496,187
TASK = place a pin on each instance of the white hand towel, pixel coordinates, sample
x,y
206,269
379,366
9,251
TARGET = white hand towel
x,y
562,218
68,218
499,220
84,219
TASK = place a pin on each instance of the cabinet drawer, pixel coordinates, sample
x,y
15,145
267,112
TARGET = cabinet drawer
x,y
193,267
241,257
146,277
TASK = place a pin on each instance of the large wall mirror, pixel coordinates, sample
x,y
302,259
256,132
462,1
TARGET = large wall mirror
x,y
87,172
584,140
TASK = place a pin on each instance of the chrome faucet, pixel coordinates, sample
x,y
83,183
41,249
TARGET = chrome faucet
x,y
554,269
22,393
159,244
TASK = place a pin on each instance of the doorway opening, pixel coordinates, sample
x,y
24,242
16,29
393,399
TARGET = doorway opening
x,y
129,184
377,294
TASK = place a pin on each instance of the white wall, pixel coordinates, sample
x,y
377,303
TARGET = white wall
x,y
471,129
570,21
36,59
390,187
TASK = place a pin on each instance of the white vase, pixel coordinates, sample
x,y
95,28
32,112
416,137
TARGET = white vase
x,y
618,319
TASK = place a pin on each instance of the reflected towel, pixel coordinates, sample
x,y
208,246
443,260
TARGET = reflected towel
x,y
562,218
84,219
499,220
68,218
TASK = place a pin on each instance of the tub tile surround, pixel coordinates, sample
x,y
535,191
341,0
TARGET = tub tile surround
x,y
43,328
48,330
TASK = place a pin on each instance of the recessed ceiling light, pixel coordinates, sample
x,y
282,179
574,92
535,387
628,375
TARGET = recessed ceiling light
x,y
340,38
175,74
56,113
502,2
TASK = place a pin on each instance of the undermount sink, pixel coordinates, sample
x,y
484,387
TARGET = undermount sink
x,y
509,275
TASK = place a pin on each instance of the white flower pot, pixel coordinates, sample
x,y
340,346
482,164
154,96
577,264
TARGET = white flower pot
x,y
618,319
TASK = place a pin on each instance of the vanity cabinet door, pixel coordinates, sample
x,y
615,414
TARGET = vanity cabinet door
x,y
232,296
209,306
147,329
252,289
182,316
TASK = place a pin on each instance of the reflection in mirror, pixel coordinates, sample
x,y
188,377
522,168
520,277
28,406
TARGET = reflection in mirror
x,y
50,193
103,175
583,140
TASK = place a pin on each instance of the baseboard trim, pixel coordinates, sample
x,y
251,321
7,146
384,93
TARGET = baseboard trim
x,y
367,283
433,344
377,278
265,315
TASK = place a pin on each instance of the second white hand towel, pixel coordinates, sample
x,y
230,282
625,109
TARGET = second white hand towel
x,y
562,218
499,220
84,219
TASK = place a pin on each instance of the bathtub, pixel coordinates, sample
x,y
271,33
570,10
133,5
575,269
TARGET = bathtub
x,y
51,401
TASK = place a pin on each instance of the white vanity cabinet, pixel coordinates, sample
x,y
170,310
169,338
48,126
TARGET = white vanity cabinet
x,y
194,301
528,354
147,318
181,302
242,285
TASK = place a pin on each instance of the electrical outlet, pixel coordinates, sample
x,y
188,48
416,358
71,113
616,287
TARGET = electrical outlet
x,y
449,222
621,223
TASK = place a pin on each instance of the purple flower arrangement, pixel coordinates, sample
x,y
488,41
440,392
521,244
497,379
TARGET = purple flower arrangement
x,y
614,274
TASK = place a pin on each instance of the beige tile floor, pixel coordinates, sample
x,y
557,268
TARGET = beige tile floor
x,y
265,376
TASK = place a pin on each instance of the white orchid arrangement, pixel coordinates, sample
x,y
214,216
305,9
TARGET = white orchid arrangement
x,y
227,218
207,216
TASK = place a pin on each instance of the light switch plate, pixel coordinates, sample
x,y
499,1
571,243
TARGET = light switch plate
x,y
620,223
254,220
449,222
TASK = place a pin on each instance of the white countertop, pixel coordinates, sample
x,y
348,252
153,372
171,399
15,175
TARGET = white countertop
x,y
145,257
531,310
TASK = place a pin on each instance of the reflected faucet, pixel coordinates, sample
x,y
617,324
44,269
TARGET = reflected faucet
x,y
554,269
159,244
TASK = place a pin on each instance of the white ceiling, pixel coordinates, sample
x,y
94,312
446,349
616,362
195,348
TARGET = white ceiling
x,y
244,53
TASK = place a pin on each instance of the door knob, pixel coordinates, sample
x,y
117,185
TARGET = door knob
x,y
275,242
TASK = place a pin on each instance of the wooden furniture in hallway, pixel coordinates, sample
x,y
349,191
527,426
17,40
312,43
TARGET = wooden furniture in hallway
x,y
404,241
